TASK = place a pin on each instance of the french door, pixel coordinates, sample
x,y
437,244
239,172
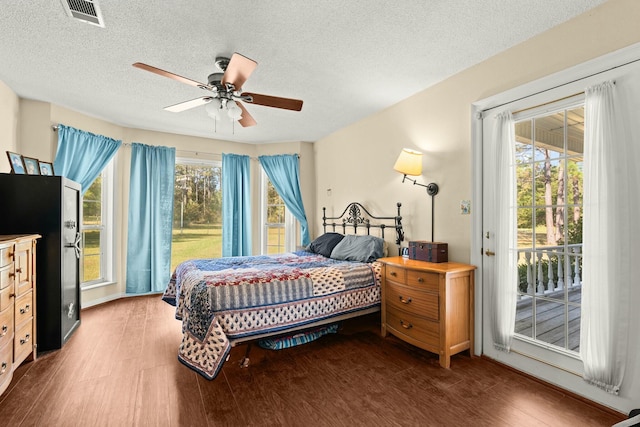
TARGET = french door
x,y
547,176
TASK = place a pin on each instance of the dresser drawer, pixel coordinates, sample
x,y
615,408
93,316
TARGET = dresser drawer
x,y
23,342
415,301
6,359
6,326
6,276
426,332
6,255
6,298
24,308
397,274
423,280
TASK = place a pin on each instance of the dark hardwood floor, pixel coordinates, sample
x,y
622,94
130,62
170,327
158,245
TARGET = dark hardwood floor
x,y
121,369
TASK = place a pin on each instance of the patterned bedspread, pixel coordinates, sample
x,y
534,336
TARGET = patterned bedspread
x,y
226,298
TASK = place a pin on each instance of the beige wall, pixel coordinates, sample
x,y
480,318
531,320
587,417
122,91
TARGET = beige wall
x,y
437,122
9,108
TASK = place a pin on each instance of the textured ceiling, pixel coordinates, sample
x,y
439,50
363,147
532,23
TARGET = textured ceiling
x,y
346,59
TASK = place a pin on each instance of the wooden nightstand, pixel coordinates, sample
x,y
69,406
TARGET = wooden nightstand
x,y
429,305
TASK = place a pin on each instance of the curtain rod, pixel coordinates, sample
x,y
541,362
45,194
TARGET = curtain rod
x,y
564,84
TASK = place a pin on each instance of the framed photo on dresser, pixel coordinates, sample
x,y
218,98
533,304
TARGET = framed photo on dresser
x,y
46,168
17,165
31,165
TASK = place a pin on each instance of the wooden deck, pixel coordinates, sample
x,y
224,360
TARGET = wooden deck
x,y
550,318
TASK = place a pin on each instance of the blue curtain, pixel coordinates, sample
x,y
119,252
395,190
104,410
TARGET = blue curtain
x,y
81,155
236,206
150,218
284,173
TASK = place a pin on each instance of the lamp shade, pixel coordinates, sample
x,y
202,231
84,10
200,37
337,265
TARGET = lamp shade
x,y
409,162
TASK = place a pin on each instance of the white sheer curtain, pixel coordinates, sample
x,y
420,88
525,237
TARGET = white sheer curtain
x,y
502,292
608,232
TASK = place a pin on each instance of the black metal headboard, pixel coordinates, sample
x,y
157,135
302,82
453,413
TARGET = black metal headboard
x,y
352,217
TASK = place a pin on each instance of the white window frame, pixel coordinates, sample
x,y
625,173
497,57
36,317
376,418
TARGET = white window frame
x,y
107,233
568,359
290,221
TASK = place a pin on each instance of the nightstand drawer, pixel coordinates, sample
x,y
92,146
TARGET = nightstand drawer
x,y
423,280
413,300
419,329
397,274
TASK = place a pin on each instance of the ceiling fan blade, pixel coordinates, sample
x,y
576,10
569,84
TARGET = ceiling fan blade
x,y
274,101
238,71
246,119
173,76
188,104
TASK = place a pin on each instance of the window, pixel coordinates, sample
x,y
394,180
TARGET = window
x,y
278,231
197,211
96,266
549,159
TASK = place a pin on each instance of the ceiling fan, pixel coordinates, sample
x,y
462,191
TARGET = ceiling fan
x,y
226,90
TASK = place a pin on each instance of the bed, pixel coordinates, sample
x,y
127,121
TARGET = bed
x,y
226,301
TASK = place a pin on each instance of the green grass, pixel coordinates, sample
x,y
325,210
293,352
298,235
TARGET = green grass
x,y
196,241
91,256
205,242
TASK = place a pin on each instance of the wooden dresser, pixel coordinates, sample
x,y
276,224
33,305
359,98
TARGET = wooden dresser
x,y
429,305
17,303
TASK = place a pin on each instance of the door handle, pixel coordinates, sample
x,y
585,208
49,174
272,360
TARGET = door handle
x,y
76,245
489,253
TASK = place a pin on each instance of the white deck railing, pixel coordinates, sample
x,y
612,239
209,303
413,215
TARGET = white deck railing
x,y
553,281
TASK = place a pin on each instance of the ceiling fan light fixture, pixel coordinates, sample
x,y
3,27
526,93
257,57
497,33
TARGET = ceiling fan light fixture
x,y
234,112
213,108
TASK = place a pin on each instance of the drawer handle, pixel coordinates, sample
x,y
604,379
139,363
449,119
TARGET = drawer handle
x,y
25,339
4,368
405,301
393,273
406,325
420,280
25,309
5,329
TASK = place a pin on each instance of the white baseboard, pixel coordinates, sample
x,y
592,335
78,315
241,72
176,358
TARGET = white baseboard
x,y
98,301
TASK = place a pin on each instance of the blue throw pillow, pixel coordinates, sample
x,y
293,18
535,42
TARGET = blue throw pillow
x,y
324,244
359,248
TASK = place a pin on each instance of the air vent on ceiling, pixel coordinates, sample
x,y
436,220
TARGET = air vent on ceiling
x,y
84,10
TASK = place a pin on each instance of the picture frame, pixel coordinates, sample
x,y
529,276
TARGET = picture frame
x,y
31,165
17,165
46,168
